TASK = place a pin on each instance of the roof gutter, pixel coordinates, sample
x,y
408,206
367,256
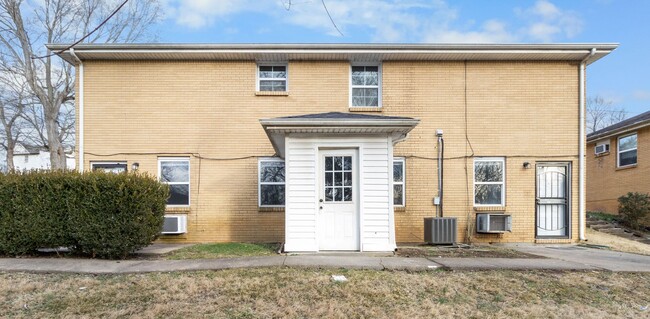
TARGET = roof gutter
x,y
581,152
80,164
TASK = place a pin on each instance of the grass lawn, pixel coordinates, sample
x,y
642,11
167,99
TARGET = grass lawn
x,y
617,243
307,293
223,250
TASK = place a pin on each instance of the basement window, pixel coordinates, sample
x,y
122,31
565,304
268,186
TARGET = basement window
x,y
175,171
109,167
489,181
271,182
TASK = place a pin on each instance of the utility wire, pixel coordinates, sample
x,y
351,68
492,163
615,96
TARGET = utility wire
x,y
330,16
85,36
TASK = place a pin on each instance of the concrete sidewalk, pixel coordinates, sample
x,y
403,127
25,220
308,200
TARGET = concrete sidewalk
x,y
94,266
597,258
559,257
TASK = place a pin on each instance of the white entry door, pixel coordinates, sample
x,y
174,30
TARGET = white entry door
x,y
553,193
338,221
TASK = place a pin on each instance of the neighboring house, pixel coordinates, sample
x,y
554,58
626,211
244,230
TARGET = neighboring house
x,y
31,157
618,162
334,146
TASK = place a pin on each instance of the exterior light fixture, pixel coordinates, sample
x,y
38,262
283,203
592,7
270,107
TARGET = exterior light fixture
x,y
526,165
135,166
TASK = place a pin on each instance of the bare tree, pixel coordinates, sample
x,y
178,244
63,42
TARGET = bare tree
x,y
12,107
25,26
602,113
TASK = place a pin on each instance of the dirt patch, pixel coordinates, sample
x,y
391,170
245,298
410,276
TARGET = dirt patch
x,y
465,251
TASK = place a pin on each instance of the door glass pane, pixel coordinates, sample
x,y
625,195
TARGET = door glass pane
x,y
338,163
338,179
328,194
329,179
347,163
347,194
347,179
338,194
328,163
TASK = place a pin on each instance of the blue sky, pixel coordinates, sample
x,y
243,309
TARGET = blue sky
x,y
621,77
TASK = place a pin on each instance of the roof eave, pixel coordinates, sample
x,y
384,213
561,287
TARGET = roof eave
x,y
618,131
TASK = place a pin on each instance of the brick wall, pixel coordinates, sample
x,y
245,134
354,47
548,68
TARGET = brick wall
x,y
137,111
606,182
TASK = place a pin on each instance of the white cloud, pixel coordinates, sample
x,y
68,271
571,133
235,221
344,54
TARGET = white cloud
x,y
547,22
389,20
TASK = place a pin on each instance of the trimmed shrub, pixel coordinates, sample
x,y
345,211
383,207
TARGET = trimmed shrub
x,y
633,208
94,213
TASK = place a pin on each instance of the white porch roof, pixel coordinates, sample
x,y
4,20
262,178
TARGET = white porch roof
x,y
335,123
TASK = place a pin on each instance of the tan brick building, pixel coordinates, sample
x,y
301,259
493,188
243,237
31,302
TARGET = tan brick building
x,y
618,162
335,146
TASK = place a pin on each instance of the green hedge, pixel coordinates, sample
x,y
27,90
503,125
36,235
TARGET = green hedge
x,y
95,214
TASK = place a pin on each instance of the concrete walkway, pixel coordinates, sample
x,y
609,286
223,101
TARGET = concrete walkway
x,y
597,258
559,257
95,266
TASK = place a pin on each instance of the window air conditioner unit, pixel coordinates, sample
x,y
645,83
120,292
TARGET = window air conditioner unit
x,y
174,224
493,223
602,148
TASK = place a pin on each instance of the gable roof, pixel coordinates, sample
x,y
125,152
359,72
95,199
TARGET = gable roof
x,y
345,124
630,124
340,51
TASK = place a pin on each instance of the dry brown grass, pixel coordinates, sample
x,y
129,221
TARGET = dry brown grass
x,y
617,243
303,293
473,251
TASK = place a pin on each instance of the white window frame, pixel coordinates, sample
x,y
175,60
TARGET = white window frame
x,y
502,183
93,163
379,85
403,182
260,183
258,79
189,182
618,150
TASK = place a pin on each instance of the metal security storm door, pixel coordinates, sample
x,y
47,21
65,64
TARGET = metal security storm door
x,y
552,200
338,213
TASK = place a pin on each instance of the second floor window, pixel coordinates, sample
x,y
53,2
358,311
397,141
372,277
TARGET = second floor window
x,y
365,86
272,78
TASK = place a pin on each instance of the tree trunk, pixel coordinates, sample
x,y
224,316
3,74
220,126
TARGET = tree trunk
x,y
57,153
10,156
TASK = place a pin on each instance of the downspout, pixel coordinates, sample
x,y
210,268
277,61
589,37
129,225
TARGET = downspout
x,y
441,156
80,165
581,153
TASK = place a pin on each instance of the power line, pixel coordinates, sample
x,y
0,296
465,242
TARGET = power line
x,y
85,36
330,16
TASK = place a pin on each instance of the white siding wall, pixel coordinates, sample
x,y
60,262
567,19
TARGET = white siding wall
x,y
377,230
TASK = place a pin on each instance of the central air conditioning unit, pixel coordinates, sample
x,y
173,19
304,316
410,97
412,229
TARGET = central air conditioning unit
x,y
602,148
174,224
493,223
440,230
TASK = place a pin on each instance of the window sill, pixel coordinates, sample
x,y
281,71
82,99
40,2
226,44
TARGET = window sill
x,y
177,209
490,208
399,208
626,167
270,209
272,93
365,109
602,154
